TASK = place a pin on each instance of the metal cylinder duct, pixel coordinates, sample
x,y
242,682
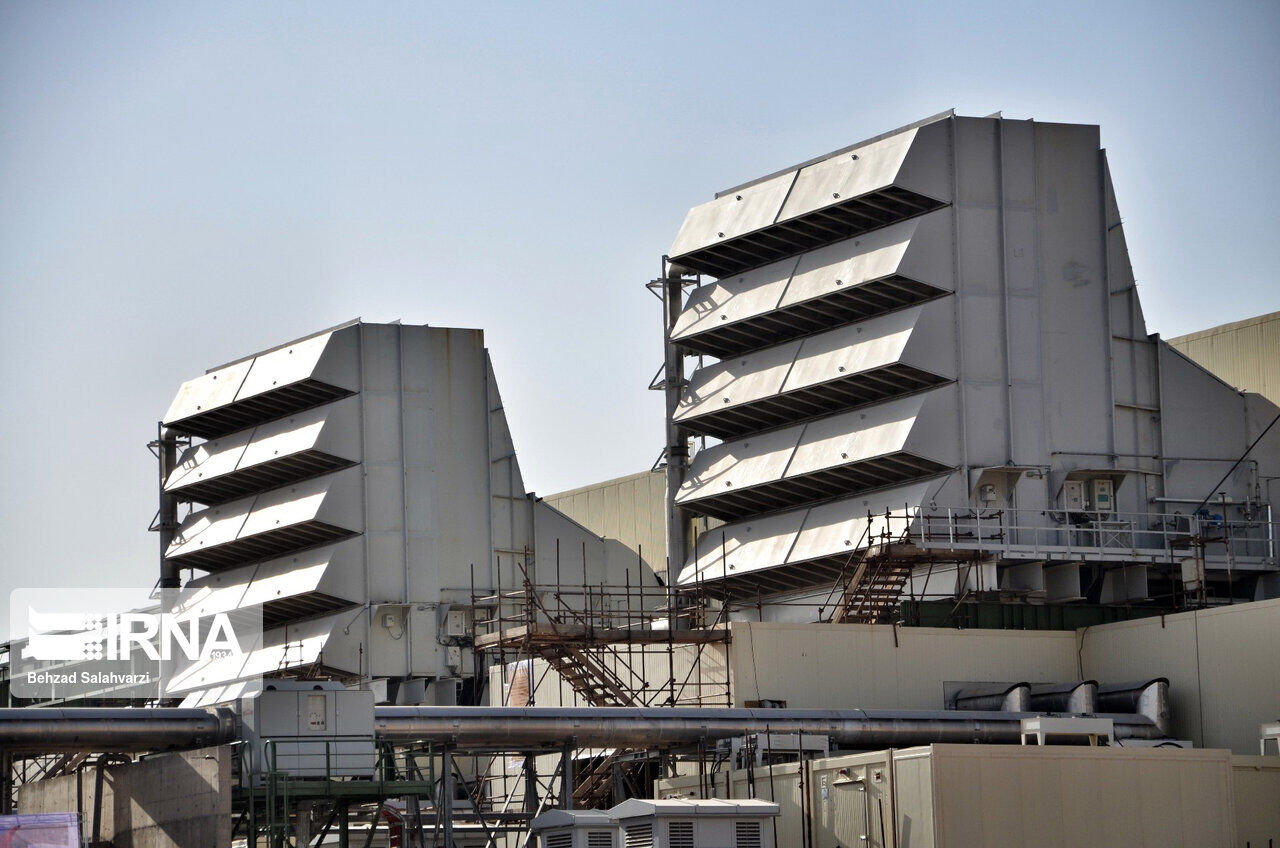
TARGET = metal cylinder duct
x,y
1147,698
1078,696
49,730
522,728
1004,697
517,728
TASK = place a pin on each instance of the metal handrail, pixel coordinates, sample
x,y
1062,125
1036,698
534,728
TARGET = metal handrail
x,y
1165,536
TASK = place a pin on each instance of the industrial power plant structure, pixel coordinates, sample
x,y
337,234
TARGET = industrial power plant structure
x,y
931,499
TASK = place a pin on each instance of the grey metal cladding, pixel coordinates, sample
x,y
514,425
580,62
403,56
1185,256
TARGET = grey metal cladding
x,y
799,548
898,266
271,455
850,366
288,379
301,585
845,195
853,451
303,515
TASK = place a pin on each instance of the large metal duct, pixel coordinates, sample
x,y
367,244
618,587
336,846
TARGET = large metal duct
x,y
1148,698
49,730
523,728
1077,696
1010,697
517,728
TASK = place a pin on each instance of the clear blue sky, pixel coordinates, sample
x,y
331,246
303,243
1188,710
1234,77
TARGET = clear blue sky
x,y
184,183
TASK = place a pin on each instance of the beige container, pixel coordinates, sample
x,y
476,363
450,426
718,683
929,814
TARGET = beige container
x,y
993,796
1004,796
1256,787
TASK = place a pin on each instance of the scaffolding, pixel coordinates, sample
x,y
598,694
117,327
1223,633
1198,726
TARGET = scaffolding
x,y
609,646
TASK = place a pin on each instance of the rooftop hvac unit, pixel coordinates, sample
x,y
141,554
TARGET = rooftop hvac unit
x,y
681,823
575,829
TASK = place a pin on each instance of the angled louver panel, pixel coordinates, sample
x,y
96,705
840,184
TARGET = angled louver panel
x,y
680,834
639,835
802,548
899,266
278,651
289,379
747,835
271,455
855,191
290,588
851,366
878,446
271,524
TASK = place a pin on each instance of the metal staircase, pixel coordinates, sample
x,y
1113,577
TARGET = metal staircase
x,y
585,671
874,588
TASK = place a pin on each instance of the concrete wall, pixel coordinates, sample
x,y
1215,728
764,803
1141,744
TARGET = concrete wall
x,y
1222,665
864,666
181,800
1245,354
1223,668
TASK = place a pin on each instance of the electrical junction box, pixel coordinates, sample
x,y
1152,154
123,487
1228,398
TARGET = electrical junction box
x,y
1073,496
307,729
455,623
1102,494
453,657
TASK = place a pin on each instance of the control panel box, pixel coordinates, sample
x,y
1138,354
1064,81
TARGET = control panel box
x,y
308,729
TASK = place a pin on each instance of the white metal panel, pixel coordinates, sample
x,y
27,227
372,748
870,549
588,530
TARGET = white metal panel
x,y
334,570
217,388
919,249
852,436
917,336
731,299
741,464
210,527
279,650
840,439
333,499
316,358
333,429
852,349
798,535
859,171
731,215
927,167
209,459
841,526
244,587
310,500
760,542
852,262
739,380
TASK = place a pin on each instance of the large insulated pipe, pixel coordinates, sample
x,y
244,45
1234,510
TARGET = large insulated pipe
x,y
521,728
50,730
